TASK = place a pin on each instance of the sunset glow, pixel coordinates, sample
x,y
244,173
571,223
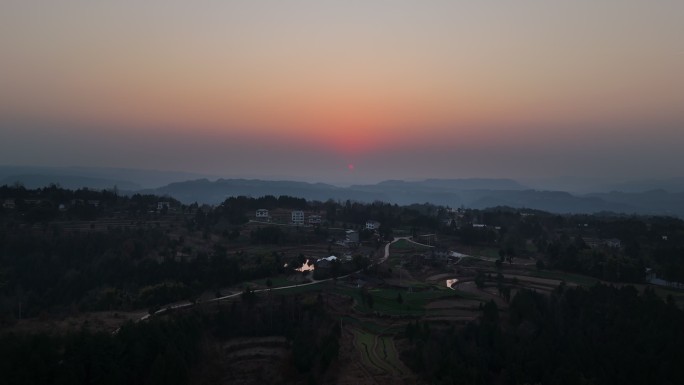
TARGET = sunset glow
x,y
375,80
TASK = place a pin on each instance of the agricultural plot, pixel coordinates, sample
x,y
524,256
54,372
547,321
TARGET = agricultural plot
x,y
406,245
378,353
567,277
279,281
372,326
403,249
386,301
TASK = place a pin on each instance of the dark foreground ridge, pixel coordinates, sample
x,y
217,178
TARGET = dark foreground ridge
x,y
103,287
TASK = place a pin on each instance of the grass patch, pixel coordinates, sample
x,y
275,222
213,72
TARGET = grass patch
x,y
366,343
301,289
404,245
279,281
366,325
567,277
385,300
489,252
388,352
467,295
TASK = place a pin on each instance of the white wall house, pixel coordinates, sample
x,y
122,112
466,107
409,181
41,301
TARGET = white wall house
x,y
352,236
314,219
372,225
298,217
262,215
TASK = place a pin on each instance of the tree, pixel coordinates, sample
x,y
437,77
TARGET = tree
x,y
248,296
335,269
369,300
506,293
169,368
490,314
480,280
400,300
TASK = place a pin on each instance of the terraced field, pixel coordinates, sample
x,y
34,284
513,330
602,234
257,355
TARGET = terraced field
x,y
378,353
386,301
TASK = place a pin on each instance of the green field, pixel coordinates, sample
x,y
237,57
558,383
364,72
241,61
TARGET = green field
x,y
279,281
377,352
404,245
567,277
489,252
388,352
372,326
402,249
385,300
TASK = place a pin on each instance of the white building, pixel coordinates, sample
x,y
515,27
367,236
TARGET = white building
x,y
372,225
298,217
163,205
614,243
352,236
263,215
314,219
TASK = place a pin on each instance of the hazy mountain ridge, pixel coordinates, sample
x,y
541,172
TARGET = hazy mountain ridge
x,y
205,191
92,177
33,181
400,192
659,201
673,185
470,192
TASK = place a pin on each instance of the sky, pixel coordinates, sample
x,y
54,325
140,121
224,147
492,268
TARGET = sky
x,y
346,91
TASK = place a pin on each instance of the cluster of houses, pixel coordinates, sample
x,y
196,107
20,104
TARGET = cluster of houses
x,y
599,243
296,217
372,225
11,204
300,218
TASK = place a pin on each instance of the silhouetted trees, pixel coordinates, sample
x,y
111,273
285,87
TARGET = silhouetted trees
x,y
600,335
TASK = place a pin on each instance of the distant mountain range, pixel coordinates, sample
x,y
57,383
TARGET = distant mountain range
x,y
92,177
636,197
473,193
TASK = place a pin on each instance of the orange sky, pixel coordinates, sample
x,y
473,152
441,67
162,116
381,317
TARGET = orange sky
x,y
349,77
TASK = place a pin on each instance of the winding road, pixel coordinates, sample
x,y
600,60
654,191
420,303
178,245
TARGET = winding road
x,y
314,282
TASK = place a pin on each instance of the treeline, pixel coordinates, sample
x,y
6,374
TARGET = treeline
x,y
167,350
238,210
608,247
155,352
112,270
306,324
56,203
600,335
46,267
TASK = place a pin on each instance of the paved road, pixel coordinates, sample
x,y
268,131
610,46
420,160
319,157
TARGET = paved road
x,y
315,282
